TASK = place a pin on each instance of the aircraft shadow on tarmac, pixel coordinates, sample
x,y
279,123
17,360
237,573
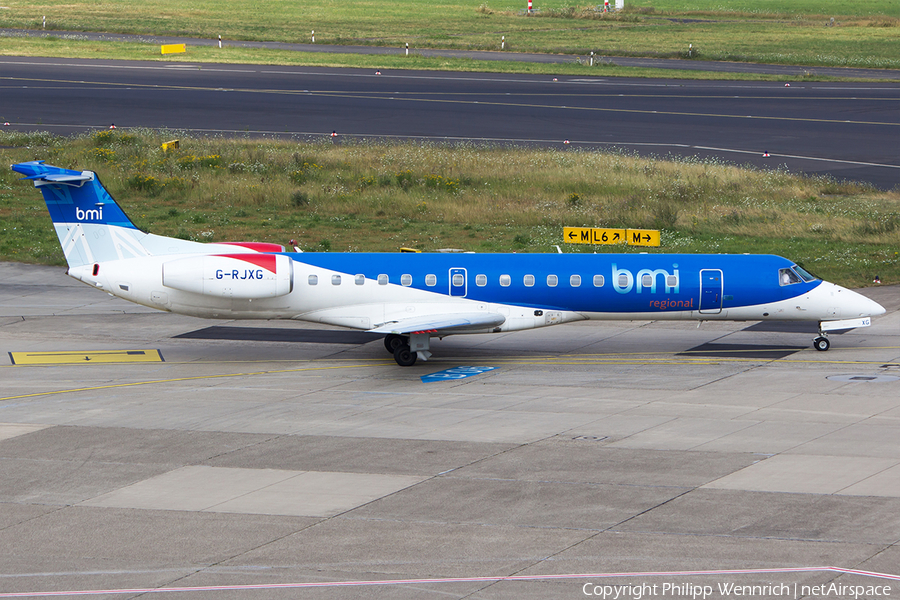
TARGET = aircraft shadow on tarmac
x,y
282,334
318,336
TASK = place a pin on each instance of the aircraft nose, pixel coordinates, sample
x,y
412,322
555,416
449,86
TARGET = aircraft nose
x,y
859,305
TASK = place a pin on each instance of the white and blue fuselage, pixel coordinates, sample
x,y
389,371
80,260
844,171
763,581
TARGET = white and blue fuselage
x,y
412,297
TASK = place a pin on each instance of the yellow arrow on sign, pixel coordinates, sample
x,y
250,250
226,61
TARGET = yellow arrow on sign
x,y
66,357
643,237
593,235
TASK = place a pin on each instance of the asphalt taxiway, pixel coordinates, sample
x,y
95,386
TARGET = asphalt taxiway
x,y
841,130
290,460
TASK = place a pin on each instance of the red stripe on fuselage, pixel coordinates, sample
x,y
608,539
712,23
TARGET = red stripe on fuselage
x,y
257,246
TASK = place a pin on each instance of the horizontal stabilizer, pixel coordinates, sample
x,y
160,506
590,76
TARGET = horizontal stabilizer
x,y
447,323
76,180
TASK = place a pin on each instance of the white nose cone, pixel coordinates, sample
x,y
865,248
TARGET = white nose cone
x,y
854,304
833,302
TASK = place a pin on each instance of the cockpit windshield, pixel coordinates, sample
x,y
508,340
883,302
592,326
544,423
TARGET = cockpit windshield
x,y
795,274
806,275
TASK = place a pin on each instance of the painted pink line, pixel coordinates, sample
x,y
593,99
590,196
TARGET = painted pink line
x,y
316,584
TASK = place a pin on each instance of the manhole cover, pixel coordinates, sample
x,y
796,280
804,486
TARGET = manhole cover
x,y
855,378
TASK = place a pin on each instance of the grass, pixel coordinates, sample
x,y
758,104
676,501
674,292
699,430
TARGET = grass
x,y
772,31
66,48
365,196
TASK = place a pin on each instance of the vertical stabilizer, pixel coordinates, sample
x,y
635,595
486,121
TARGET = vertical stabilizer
x,y
90,225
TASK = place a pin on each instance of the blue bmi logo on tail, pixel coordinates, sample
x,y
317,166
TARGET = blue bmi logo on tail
x,y
90,225
74,196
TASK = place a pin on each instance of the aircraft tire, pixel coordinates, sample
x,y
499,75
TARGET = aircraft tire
x,y
392,341
404,356
821,343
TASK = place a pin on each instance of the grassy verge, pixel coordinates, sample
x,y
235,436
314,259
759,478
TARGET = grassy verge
x,y
775,31
66,48
370,196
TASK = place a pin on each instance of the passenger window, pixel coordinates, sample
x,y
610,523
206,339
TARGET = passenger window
x,y
575,280
481,280
598,280
335,280
360,279
623,280
382,279
430,280
458,279
787,277
672,281
505,280
528,280
406,279
647,280
552,280
313,280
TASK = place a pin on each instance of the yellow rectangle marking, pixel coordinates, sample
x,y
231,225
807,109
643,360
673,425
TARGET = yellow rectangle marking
x,y
172,48
66,357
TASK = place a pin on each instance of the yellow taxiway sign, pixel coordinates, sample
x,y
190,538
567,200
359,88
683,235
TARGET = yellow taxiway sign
x,y
66,357
599,235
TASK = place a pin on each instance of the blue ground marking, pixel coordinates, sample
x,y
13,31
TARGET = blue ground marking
x,y
455,373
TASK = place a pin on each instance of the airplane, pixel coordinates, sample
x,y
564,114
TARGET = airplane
x,y
414,297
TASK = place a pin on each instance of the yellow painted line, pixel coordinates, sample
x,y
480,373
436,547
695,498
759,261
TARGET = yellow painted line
x,y
74,357
177,379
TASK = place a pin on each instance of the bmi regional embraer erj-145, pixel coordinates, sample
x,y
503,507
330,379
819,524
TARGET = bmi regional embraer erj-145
x,y
412,298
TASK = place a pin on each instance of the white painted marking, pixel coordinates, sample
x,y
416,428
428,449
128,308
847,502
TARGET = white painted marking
x,y
335,584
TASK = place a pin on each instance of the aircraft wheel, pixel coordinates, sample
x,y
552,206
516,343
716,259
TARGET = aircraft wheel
x,y
404,356
392,341
821,343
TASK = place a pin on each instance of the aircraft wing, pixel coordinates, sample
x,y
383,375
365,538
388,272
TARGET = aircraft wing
x,y
447,323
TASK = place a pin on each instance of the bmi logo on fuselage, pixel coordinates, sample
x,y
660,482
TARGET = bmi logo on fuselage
x,y
624,280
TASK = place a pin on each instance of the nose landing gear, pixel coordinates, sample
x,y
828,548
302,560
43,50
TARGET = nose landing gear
x,y
821,343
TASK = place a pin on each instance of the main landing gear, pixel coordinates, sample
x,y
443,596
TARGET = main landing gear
x,y
406,349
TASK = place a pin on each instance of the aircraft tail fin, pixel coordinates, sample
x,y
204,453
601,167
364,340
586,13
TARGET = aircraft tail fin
x,y
91,227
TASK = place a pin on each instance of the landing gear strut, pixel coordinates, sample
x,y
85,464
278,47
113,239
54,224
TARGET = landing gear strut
x,y
821,343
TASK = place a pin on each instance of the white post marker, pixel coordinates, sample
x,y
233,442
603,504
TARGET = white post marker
x,y
407,48
220,41
313,36
502,42
592,58
44,22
